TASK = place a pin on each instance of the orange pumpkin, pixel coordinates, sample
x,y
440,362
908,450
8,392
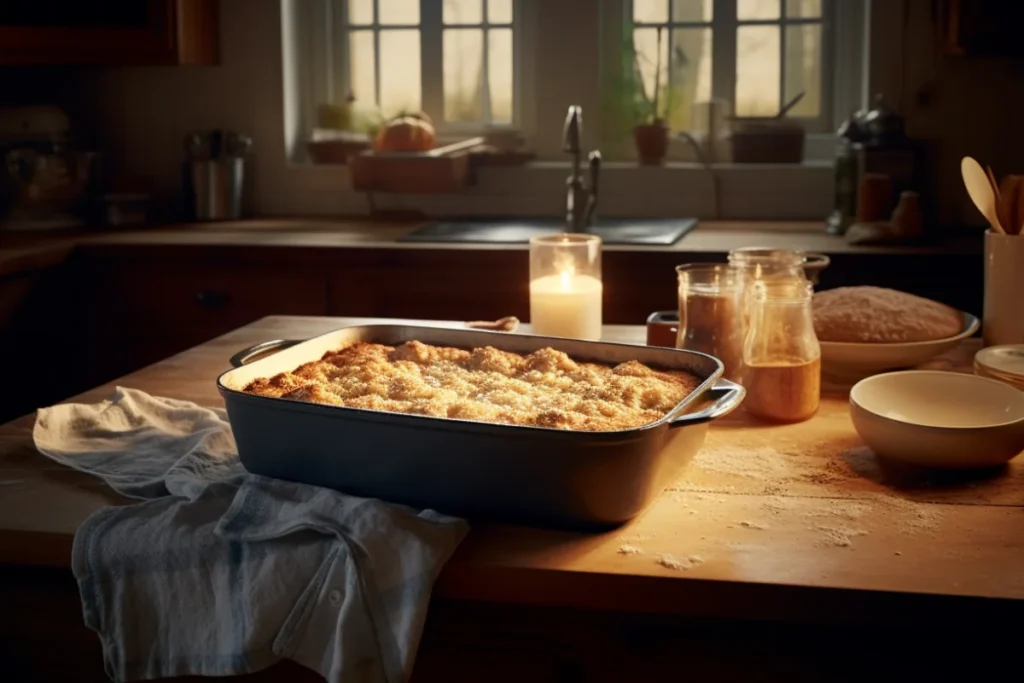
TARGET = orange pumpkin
x,y
406,133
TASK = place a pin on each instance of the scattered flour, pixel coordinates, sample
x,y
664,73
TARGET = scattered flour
x,y
841,537
630,550
679,563
754,525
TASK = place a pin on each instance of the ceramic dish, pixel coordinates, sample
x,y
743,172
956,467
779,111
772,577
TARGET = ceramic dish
x,y
1004,363
857,359
939,419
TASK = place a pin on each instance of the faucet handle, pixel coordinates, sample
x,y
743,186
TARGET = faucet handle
x,y
572,131
594,163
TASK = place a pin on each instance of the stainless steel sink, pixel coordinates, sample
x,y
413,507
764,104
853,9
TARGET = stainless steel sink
x,y
652,232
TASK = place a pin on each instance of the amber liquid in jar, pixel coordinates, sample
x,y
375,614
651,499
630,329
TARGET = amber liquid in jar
x,y
783,392
781,353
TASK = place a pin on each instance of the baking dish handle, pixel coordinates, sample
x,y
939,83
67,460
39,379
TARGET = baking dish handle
x,y
726,396
261,349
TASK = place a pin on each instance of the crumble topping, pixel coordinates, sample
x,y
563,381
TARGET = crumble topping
x,y
545,388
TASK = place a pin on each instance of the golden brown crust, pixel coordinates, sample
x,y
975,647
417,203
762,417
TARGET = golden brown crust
x,y
879,315
545,388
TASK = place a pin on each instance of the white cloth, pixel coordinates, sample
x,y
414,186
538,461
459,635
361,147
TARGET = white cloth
x,y
221,572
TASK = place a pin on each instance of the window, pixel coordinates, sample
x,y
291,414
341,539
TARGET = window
x,y
453,59
756,55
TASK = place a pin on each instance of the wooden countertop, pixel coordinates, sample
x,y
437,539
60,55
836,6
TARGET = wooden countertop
x,y
23,251
796,522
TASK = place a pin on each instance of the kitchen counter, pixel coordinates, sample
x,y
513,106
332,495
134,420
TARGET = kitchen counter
x,y
795,523
21,251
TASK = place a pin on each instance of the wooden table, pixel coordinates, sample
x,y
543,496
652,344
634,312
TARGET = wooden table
x,y
791,524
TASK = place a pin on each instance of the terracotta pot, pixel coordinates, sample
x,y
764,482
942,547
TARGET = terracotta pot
x,y
651,141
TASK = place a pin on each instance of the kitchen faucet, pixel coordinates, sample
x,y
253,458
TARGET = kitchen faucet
x,y
580,196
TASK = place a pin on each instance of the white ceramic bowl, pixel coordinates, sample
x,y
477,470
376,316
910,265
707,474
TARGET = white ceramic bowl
x,y
858,359
939,419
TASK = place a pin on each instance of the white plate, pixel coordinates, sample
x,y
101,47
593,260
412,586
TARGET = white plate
x,y
861,359
939,419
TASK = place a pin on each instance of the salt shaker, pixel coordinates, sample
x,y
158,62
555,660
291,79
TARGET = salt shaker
x,y
781,353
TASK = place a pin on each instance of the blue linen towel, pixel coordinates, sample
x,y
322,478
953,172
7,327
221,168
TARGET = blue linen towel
x,y
221,572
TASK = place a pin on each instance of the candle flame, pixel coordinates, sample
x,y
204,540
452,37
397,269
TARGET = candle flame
x,y
567,274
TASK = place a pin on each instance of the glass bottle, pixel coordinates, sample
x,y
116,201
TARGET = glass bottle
x,y
710,313
781,353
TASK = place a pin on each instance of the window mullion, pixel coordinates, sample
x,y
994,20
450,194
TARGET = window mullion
x,y
339,77
723,52
432,58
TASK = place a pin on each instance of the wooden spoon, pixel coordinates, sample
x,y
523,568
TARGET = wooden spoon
x,y
980,189
1009,199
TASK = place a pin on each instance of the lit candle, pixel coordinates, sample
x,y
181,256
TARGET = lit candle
x,y
565,302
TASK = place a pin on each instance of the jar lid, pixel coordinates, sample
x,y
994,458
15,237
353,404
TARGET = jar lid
x,y
1002,362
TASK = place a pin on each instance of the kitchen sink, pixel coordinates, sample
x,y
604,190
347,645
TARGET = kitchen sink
x,y
653,232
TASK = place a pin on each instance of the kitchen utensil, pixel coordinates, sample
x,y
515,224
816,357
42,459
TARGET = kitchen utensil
x,y
216,186
1003,320
531,475
507,324
1004,363
939,419
1012,202
980,190
855,360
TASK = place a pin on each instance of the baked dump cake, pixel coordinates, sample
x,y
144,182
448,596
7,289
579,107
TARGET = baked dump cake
x,y
545,388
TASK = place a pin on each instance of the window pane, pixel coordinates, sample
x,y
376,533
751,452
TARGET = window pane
x,y
399,71
399,11
689,75
499,67
650,11
499,11
757,9
360,56
803,68
463,12
463,74
653,71
803,8
360,11
692,11
757,70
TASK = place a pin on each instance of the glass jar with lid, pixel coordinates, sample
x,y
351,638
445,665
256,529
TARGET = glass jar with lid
x,y
781,353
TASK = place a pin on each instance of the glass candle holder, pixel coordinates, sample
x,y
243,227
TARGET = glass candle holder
x,y
565,286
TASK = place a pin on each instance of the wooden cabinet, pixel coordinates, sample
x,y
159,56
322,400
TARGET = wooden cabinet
x,y
982,28
122,32
137,310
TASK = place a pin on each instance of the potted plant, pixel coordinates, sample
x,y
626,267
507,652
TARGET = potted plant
x,y
650,133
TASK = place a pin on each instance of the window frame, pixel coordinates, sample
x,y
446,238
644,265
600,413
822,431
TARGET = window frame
x,y
431,27
724,26
574,46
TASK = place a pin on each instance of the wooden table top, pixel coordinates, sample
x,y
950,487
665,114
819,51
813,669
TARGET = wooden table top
x,y
779,522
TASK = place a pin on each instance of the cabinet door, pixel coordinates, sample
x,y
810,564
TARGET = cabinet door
x,y
136,313
112,32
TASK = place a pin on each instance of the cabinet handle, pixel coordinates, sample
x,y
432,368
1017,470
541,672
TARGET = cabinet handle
x,y
211,299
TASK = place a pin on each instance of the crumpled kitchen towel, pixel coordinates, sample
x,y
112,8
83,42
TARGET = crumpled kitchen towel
x,y
221,572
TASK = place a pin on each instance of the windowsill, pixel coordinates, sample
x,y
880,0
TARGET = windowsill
x,y
746,192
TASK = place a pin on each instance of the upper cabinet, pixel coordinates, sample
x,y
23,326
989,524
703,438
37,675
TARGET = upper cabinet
x,y
117,32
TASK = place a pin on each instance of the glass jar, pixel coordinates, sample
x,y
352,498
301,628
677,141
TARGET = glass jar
x,y
566,292
761,262
781,353
710,313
